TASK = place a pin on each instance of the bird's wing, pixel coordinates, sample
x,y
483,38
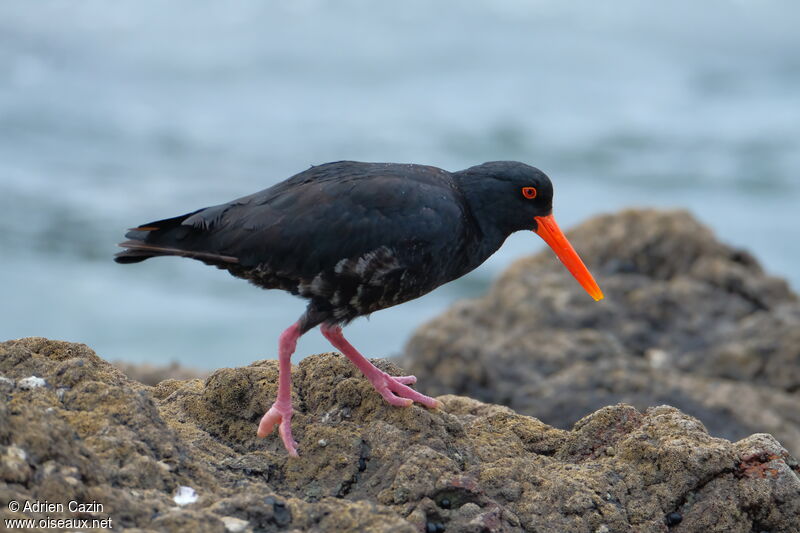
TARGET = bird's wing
x,y
308,224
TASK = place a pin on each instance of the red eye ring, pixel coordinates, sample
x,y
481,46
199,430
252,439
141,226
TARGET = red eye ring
x,y
529,192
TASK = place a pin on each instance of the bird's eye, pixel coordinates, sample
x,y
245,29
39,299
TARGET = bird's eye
x,y
529,192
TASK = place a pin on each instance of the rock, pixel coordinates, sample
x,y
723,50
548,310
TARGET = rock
x,y
686,321
31,382
150,374
468,467
185,495
235,525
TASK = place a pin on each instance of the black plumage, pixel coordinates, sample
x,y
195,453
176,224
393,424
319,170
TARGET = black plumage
x,y
352,237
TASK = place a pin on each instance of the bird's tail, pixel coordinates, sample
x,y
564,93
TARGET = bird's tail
x,y
165,237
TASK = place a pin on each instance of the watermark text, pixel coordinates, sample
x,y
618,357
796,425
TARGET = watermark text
x,y
92,508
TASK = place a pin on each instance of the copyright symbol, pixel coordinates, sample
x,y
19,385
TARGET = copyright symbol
x,y
13,506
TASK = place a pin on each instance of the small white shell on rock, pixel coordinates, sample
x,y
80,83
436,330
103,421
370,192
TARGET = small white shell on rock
x,y
233,524
185,495
16,452
31,383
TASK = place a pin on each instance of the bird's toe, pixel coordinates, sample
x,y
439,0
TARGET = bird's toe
x,y
281,416
390,397
398,393
268,422
285,431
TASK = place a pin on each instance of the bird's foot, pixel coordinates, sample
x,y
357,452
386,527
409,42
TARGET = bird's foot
x,y
279,414
396,391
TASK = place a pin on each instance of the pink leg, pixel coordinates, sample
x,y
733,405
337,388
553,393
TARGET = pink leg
x,y
393,390
281,411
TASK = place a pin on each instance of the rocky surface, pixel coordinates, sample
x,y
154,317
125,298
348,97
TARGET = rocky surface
x,y
81,430
151,374
686,321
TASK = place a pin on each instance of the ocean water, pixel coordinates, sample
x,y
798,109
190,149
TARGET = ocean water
x,y
115,114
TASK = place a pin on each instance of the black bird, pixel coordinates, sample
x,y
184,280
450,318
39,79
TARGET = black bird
x,y
353,238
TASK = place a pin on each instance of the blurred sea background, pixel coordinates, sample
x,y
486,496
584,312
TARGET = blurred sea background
x,y
116,114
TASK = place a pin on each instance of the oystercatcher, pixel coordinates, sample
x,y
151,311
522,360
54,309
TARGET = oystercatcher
x,y
353,238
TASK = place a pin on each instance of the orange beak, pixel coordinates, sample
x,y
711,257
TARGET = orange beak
x,y
552,235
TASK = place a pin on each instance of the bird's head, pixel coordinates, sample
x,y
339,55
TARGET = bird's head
x,y
509,196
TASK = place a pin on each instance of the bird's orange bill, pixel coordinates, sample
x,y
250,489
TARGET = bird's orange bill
x,y
549,231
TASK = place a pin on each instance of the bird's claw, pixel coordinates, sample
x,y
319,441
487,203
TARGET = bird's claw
x,y
396,391
280,415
